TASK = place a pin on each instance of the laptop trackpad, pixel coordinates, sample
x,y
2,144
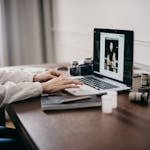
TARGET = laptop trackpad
x,y
82,90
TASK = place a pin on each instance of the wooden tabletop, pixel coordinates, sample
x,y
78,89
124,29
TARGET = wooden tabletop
x,y
127,128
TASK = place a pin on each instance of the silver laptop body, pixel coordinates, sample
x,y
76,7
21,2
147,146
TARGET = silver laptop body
x,y
112,63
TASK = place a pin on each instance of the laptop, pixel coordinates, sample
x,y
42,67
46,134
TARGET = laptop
x,y
112,63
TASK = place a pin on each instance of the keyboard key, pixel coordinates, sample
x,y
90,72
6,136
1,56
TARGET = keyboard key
x,y
97,84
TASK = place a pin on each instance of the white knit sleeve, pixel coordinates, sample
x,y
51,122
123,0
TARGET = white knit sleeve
x,y
11,92
15,76
2,93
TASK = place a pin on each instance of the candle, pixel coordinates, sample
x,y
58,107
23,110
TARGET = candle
x,y
106,104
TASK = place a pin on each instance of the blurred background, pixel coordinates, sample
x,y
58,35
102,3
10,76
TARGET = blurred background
x,y
49,31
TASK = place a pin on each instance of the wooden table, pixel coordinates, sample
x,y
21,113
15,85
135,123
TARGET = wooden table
x,y
127,128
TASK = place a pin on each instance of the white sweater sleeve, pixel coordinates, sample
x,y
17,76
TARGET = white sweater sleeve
x,y
11,92
15,76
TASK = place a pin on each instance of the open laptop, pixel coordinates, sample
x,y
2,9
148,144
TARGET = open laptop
x,y
112,63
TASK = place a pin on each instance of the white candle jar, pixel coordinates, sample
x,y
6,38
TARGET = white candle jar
x,y
106,104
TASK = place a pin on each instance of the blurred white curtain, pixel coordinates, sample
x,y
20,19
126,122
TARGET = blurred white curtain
x,y
26,32
2,60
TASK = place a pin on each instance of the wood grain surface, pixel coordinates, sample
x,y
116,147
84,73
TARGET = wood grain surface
x,y
127,128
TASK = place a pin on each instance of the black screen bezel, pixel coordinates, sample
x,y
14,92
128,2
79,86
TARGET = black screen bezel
x,y
128,53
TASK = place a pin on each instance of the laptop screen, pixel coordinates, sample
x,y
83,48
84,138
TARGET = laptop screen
x,y
113,54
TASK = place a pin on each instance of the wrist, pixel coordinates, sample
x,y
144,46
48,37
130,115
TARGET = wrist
x,y
35,79
44,87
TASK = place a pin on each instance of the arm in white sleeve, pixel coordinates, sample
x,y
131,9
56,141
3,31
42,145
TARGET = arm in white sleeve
x,y
11,92
15,76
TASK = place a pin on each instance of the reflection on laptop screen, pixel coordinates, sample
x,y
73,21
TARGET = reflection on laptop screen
x,y
113,54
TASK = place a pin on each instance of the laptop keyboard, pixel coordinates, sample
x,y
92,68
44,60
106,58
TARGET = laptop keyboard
x,y
97,84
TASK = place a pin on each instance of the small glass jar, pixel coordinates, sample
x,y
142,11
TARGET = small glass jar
x,y
107,104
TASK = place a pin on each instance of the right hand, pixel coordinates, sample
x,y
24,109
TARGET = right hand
x,y
47,75
59,83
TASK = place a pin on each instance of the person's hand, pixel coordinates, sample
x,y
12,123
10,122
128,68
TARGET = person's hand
x,y
58,84
48,75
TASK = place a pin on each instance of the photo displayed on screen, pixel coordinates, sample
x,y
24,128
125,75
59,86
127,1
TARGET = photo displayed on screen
x,y
111,55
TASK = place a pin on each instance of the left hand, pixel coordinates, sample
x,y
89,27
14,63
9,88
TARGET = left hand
x,y
48,75
60,83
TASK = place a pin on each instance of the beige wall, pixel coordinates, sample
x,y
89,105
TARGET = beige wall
x,y
74,21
